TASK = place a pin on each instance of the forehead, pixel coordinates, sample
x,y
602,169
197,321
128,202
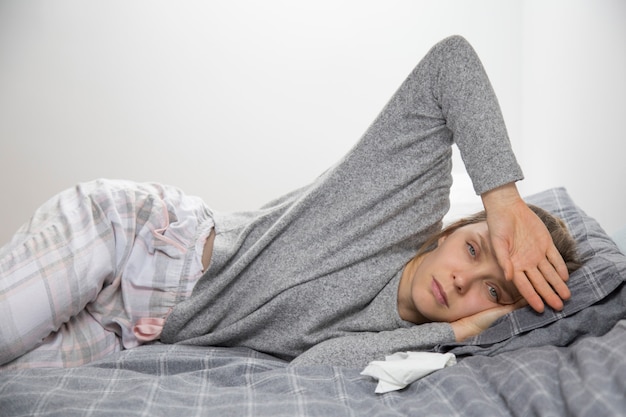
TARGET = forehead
x,y
479,234
480,231
480,227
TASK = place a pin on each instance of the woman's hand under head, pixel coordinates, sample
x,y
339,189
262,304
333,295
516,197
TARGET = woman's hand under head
x,y
479,322
459,279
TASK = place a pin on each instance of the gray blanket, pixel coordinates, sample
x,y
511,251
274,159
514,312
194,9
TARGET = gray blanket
x,y
587,378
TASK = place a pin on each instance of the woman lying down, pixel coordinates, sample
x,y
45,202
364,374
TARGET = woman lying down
x,y
330,273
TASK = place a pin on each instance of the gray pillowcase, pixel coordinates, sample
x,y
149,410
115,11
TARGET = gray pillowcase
x,y
598,299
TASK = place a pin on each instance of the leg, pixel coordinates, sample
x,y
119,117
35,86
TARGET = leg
x,y
81,340
52,268
106,252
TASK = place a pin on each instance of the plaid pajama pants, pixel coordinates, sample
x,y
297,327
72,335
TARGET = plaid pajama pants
x,y
97,270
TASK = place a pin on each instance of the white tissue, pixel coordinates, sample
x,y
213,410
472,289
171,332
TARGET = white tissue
x,y
400,369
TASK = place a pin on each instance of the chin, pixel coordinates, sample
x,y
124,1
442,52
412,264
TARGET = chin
x,y
442,318
430,318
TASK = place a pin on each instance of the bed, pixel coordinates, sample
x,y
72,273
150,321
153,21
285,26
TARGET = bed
x,y
557,363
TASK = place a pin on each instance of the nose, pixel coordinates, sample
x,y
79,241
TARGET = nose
x,y
463,280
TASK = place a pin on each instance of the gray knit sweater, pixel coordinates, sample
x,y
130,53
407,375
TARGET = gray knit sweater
x,y
313,276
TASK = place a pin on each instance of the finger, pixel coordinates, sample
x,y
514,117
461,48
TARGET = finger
x,y
504,259
555,258
488,317
500,310
544,289
503,311
527,291
554,279
507,309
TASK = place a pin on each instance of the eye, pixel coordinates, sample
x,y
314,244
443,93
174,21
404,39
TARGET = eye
x,y
493,293
471,250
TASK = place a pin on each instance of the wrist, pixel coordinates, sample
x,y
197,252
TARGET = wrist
x,y
460,331
503,196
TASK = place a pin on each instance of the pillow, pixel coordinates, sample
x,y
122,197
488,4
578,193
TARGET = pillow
x,y
598,283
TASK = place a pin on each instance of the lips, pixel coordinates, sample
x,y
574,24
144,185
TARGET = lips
x,y
439,294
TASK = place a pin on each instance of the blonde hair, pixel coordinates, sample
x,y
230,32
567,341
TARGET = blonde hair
x,y
563,240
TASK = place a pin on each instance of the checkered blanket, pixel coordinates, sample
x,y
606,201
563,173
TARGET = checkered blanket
x,y
584,379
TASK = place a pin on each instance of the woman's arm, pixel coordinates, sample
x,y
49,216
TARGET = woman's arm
x,y
522,243
359,349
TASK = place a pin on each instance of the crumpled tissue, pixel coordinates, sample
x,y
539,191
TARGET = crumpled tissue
x,y
400,369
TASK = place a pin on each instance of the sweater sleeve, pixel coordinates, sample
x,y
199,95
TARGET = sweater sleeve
x,y
472,112
357,350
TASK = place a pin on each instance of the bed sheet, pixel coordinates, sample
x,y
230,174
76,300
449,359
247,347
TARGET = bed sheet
x,y
585,379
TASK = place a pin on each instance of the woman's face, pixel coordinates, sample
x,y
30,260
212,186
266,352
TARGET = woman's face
x,y
460,277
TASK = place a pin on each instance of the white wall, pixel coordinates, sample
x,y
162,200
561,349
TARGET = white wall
x,y
574,103
240,101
